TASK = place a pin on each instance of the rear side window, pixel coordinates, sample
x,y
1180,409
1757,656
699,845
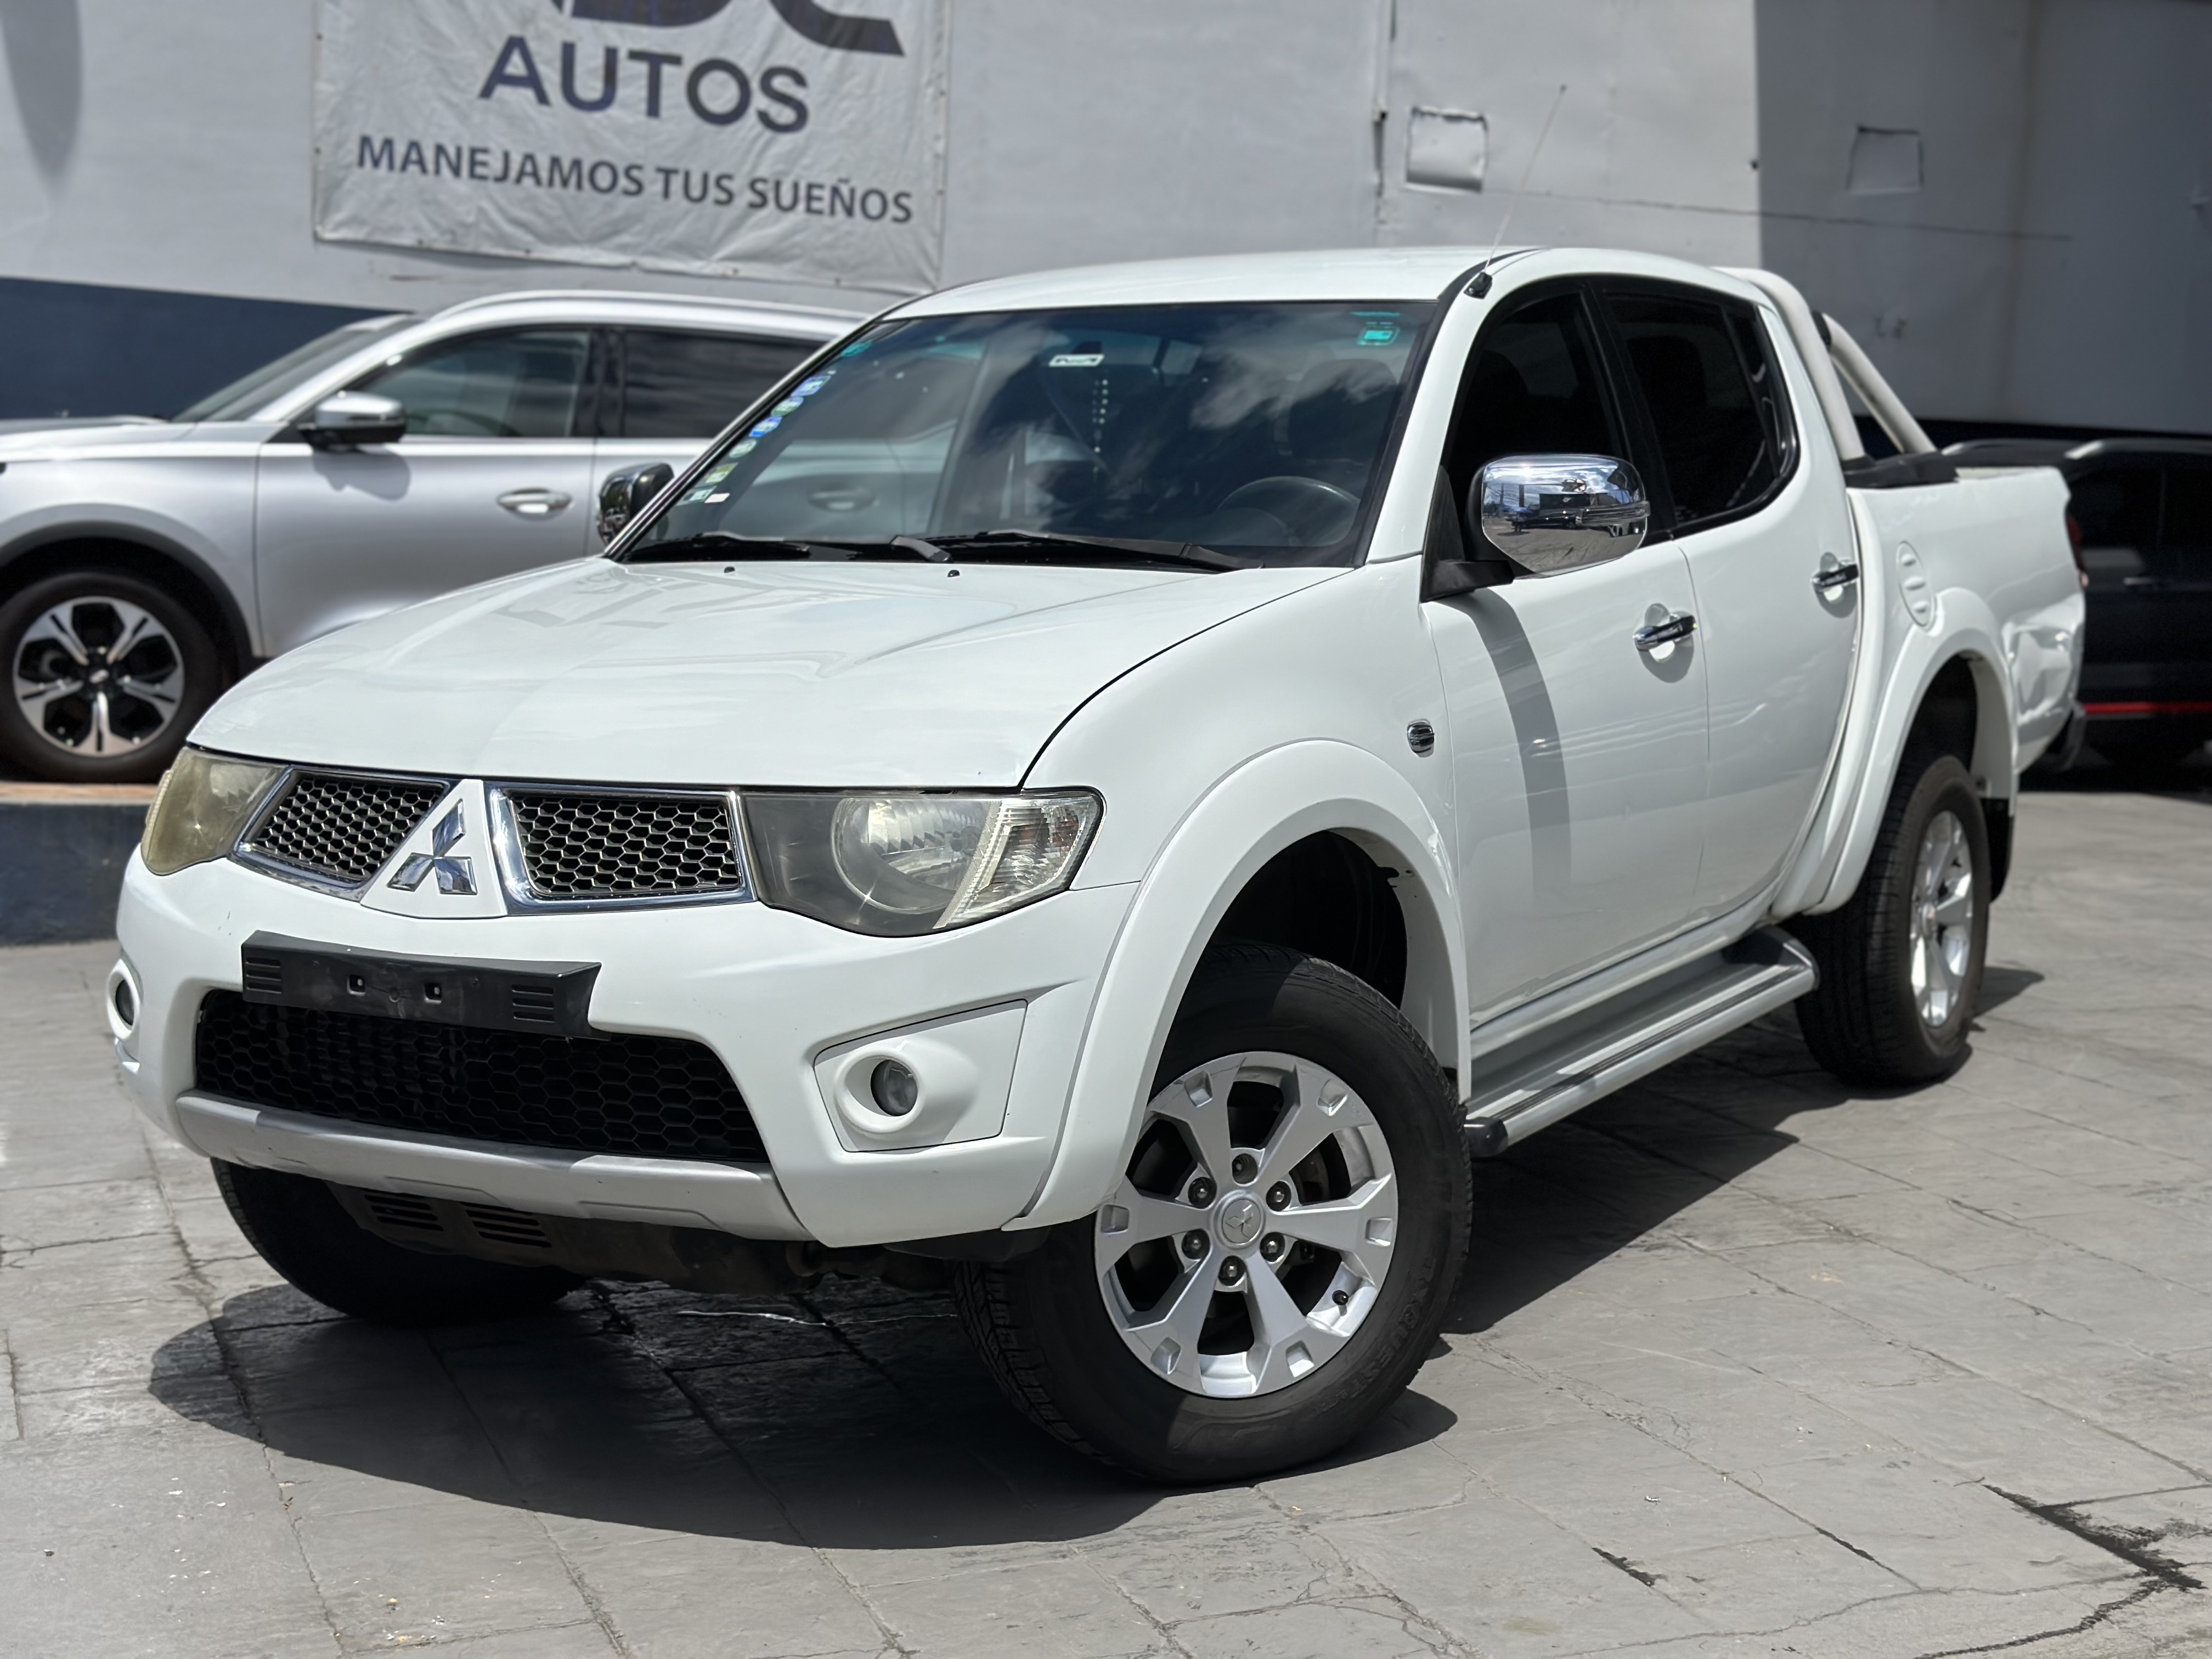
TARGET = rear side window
x,y
692,385
1714,396
2117,509
523,385
2188,519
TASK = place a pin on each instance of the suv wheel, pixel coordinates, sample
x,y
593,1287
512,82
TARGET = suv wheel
x,y
1275,1263
107,674
1901,964
301,1231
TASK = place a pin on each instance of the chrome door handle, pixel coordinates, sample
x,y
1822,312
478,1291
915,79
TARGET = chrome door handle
x,y
1835,576
534,503
1680,626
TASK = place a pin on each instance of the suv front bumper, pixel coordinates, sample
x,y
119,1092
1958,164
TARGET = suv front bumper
x,y
781,1000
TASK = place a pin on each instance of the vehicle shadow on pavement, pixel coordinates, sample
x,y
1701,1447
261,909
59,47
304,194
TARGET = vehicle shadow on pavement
x,y
1559,1204
854,1417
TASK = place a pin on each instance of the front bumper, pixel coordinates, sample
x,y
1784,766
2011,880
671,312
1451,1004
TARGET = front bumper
x,y
770,993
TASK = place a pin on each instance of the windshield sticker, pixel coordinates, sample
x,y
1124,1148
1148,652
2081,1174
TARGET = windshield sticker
x,y
1076,359
739,451
1381,327
766,427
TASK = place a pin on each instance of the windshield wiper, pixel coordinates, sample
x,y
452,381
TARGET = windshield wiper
x,y
1189,553
727,544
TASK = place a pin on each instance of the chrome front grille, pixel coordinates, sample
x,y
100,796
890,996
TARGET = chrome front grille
x,y
338,828
606,846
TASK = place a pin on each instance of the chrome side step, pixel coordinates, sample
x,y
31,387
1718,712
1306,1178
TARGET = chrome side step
x,y
1526,1086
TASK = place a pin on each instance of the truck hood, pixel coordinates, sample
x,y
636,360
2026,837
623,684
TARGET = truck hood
x,y
813,675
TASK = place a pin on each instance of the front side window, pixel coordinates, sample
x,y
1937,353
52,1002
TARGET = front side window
x,y
692,385
1533,388
1256,428
1715,400
521,384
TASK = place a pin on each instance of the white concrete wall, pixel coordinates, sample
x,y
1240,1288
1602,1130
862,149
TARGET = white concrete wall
x,y
1656,144
2054,266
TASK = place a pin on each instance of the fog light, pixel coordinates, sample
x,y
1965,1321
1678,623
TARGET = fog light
x,y
892,1085
126,1005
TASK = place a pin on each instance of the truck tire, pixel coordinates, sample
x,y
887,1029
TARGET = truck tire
x,y
1901,964
1275,1264
301,1231
107,674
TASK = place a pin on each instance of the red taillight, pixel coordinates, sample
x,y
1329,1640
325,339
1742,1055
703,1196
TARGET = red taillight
x,y
2073,540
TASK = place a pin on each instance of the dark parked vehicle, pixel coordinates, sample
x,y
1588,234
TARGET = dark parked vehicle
x,y
2142,521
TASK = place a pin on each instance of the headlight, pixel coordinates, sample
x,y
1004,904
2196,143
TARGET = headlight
x,y
903,864
204,801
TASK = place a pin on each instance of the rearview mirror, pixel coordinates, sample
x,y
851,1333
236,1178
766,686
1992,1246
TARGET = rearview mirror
x,y
626,494
1552,514
345,420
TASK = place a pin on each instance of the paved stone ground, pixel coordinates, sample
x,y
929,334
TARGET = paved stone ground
x,y
1743,1365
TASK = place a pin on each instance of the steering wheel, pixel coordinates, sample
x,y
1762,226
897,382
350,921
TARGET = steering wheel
x,y
1314,512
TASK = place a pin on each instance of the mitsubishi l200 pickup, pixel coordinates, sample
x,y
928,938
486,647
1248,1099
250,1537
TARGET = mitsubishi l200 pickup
x,y
1106,787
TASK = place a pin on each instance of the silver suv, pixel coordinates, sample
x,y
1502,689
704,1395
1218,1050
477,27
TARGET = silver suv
x,y
145,564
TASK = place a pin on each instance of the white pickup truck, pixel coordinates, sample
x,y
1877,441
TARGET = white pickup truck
x,y
1106,786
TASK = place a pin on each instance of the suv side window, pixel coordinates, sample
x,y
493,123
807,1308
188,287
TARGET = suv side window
x,y
2186,528
1534,387
1714,395
2117,509
521,384
692,385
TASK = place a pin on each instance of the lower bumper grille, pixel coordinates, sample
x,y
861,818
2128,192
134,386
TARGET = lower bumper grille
x,y
642,1096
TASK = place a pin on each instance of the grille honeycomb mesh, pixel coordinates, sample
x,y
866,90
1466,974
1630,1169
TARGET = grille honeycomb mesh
x,y
343,828
645,1095
610,845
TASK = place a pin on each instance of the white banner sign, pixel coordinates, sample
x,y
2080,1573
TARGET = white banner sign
x,y
771,139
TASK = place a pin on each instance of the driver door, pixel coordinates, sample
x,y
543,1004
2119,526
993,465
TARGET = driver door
x,y
493,476
1578,756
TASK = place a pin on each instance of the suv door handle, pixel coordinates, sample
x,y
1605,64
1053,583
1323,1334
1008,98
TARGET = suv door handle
x,y
1679,626
534,503
1835,576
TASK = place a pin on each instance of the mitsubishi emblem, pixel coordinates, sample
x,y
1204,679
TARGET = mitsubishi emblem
x,y
454,874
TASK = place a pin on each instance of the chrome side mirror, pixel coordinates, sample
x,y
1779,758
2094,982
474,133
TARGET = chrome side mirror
x,y
1552,514
626,493
345,420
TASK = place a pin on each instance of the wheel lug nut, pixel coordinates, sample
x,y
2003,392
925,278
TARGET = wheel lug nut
x,y
1279,1196
1243,1167
1194,1243
1202,1191
1232,1272
1272,1247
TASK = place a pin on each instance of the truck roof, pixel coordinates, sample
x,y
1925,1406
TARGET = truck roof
x,y
1364,273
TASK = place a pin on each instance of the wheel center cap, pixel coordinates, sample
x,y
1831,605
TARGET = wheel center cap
x,y
1240,1219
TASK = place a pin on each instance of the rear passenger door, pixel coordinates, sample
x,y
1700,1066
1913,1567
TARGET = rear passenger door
x,y
1768,539
665,392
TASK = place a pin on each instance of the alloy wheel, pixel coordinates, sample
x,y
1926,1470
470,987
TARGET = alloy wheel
x,y
98,676
1250,1237
1942,919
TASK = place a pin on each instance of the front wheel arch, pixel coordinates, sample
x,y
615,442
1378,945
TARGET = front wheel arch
x,y
174,570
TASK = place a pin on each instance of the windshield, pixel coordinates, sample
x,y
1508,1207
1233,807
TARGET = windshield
x,y
238,400
1252,427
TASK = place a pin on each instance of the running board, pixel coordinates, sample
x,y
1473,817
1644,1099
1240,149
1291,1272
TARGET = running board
x,y
1528,1084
